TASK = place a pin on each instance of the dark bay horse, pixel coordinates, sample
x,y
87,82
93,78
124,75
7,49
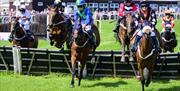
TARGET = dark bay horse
x,y
145,57
59,28
20,38
167,40
126,31
80,49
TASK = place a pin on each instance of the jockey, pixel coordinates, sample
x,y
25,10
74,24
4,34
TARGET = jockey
x,y
24,19
145,14
83,17
127,6
59,4
168,20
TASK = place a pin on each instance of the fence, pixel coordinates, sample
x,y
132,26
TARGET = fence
x,y
35,61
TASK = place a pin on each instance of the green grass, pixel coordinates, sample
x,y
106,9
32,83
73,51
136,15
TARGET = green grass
x,y
61,82
108,42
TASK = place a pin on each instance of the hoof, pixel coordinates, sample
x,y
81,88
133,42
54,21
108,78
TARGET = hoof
x,y
72,86
138,78
123,59
51,43
131,59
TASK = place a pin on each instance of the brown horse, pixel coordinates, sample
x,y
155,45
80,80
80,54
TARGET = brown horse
x,y
20,38
125,33
59,28
80,49
168,41
145,57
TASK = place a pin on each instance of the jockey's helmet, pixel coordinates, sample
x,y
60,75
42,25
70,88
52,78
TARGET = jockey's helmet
x,y
22,8
57,1
144,4
81,4
128,1
168,12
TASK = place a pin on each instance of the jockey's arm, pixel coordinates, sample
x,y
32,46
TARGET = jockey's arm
x,y
76,20
25,18
134,8
89,19
121,10
153,20
163,23
172,22
136,19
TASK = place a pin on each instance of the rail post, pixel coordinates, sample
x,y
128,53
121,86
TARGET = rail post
x,y
114,63
4,62
17,59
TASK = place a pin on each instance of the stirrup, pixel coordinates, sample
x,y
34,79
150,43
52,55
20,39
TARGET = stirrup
x,y
10,39
115,30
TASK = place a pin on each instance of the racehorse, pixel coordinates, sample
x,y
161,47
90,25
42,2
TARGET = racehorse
x,y
20,38
167,40
145,56
59,28
80,49
125,33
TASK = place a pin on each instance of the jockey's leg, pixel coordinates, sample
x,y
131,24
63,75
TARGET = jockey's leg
x,y
155,42
90,35
174,36
11,36
117,25
29,33
136,42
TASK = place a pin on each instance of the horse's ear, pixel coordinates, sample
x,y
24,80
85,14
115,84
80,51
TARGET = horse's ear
x,y
48,7
55,8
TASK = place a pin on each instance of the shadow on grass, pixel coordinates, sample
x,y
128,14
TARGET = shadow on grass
x,y
163,81
108,84
174,88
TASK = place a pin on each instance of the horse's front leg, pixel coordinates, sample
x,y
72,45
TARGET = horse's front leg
x,y
73,63
141,76
82,64
123,51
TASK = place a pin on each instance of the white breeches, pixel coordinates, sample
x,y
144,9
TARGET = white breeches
x,y
172,31
26,24
140,33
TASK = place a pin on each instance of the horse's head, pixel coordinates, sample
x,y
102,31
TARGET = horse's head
x,y
146,29
57,26
129,21
167,33
14,24
16,28
80,37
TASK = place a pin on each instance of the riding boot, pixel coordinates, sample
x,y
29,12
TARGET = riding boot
x,y
116,29
134,48
29,34
10,37
117,26
162,34
155,44
51,40
91,37
174,38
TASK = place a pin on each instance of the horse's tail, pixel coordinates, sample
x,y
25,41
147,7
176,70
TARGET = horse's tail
x,y
35,42
97,35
